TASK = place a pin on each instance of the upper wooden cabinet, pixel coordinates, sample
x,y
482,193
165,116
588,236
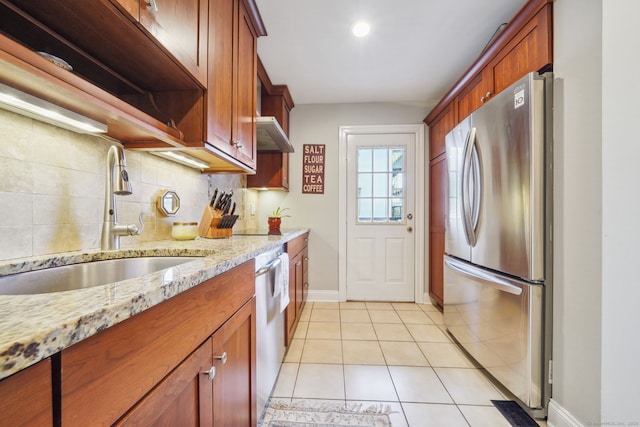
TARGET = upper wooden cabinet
x,y
273,166
180,26
231,98
438,129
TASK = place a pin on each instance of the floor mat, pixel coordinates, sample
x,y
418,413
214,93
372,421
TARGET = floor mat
x,y
309,413
514,413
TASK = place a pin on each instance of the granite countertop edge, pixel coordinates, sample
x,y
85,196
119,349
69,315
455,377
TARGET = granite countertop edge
x,y
34,327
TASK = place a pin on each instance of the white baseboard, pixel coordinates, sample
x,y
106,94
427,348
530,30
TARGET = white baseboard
x,y
323,296
557,416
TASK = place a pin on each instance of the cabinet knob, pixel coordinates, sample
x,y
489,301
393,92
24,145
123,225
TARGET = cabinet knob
x,y
306,258
222,358
306,285
486,97
211,373
238,144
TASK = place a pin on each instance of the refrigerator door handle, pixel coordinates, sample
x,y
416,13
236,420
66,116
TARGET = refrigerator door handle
x,y
500,282
467,220
477,188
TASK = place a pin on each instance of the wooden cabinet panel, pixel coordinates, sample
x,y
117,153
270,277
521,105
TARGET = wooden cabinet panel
x,y
27,397
531,50
231,99
298,283
478,91
183,398
234,386
105,375
181,27
437,222
438,130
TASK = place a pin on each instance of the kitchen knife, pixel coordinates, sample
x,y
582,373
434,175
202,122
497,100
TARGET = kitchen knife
x,y
233,209
218,204
213,198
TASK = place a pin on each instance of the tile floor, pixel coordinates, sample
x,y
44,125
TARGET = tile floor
x,y
392,353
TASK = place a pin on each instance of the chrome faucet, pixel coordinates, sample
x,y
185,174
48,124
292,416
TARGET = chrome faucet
x,y
116,182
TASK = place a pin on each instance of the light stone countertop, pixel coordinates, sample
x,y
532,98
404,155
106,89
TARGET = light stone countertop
x,y
34,327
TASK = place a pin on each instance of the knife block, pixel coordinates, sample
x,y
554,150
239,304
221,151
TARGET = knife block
x,y
209,224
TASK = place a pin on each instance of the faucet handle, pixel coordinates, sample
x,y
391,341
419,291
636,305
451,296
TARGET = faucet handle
x,y
133,229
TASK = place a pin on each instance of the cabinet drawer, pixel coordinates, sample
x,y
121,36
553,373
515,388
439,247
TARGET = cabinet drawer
x,y
26,397
105,375
296,245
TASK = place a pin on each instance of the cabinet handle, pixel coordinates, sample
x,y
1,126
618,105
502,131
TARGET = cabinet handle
x,y
153,5
486,97
222,358
211,373
237,144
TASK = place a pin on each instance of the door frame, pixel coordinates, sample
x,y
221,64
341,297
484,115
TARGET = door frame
x,y
419,200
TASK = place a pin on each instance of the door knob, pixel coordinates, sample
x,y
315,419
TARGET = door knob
x,y
409,229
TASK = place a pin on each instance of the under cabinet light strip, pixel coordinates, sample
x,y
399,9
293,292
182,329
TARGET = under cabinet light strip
x,y
39,109
182,158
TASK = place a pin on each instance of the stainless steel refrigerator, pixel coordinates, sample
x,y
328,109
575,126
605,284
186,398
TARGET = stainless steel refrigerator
x,y
497,272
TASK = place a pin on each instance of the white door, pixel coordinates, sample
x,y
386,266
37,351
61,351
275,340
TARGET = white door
x,y
380,243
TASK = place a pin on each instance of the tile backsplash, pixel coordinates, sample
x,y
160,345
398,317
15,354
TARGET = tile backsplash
x,y
52,190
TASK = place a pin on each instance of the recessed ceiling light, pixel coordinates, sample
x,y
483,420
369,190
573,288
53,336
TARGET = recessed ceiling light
x,y
360,29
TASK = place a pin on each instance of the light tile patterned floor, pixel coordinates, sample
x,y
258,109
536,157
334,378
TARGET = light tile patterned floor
x,y
393,353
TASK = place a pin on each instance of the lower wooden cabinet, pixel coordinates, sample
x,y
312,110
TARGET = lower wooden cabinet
x,y
298,283
152,369
27,397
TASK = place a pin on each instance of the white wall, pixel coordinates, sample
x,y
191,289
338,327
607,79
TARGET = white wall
x,y
577,208
620,381
597,228
319,124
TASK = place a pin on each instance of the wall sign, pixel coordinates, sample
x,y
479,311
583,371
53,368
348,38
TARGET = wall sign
x,y
313,156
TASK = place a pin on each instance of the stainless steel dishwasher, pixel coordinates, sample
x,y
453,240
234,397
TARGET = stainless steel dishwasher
x,y
272,276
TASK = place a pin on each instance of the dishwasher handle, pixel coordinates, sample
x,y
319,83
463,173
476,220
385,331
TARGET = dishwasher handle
x,y
267,268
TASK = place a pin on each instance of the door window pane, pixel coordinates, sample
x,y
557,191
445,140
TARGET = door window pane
x,y
380,181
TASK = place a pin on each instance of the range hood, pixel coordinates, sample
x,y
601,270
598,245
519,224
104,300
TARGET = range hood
x,y
270,136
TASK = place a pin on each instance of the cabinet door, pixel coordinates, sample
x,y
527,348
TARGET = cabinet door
x,y
299,283
234,385
478,91
244,136
437,212
27,397
305,276
220,90
183,398
530,50
181,27
438,130
295,277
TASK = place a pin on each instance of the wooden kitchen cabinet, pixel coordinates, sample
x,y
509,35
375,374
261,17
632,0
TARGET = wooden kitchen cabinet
x,y
107,375
27,398
181,27
272,170
525,45
298,283
234,385
437,221
214,386
231,98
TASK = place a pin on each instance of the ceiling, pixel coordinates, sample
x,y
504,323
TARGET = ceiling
x,y
416,50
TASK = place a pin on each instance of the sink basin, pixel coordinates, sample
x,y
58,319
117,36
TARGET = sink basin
x,y
85,275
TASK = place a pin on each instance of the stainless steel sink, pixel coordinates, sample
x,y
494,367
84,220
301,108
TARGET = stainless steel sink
x,y
85,275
